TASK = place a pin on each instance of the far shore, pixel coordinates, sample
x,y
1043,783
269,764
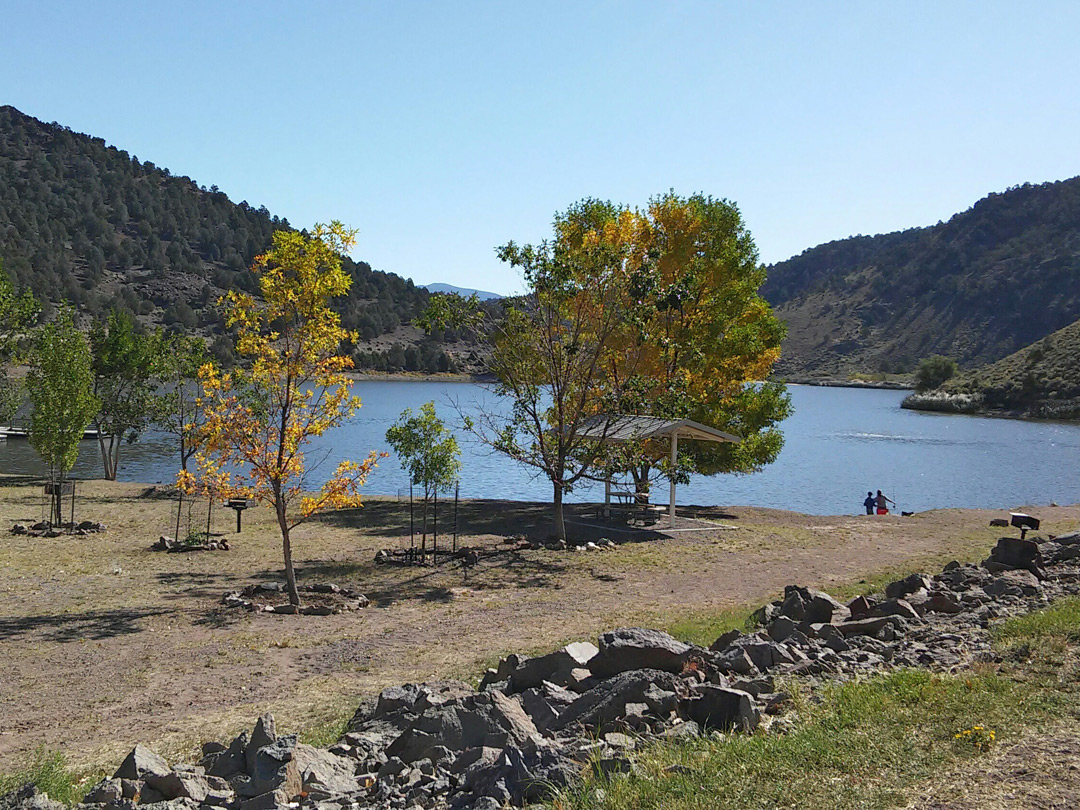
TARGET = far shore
x,y
831,382
417,376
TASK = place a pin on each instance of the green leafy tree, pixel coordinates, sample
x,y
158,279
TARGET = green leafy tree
x,y
933,371
17,314
697,341
428,451
549,351
177,409
260,420
647,313
60,383
125,363
12,395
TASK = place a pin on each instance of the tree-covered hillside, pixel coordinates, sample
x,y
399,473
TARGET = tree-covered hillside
x,y
991,280
88,223
1041,380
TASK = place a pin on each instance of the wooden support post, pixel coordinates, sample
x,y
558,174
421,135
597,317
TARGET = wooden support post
x,y
674,466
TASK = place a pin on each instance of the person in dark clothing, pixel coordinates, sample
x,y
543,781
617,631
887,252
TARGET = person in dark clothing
x,y
883,502
870,503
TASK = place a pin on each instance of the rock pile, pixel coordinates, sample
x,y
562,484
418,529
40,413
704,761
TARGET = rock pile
x,y
537,723
46,529
164,543
328,599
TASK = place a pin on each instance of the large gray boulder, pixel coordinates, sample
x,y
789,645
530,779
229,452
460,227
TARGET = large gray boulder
x,y
107,791
1067,539
734,660
767,654
943,602
1014,552
516,776
895,607
1018,582
482,719
545,702
265,733
823,609
717,707
140,763
229,762
607,701
631,648
554,667
907,585
274,770
324,772
180,784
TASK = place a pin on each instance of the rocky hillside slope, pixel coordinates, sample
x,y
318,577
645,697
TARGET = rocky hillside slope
x,y
88,223
991,280
1041,380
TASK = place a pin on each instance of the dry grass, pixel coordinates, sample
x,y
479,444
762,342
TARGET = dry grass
x,y
106,643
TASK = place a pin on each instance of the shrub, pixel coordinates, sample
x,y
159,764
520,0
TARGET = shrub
x,y
933,371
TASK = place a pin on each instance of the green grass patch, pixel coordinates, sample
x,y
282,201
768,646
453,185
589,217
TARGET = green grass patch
x,y
705,627
1061,620
862,744
47,770
326,731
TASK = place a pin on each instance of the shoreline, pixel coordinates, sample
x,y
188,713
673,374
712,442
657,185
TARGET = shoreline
x,y
418,376
888,385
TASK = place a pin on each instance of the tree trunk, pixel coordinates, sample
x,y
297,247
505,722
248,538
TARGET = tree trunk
x,y
58,504
115,445
106,451
641,483
560,525
290,575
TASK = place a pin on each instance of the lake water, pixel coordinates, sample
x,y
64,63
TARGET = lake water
x,y
840,442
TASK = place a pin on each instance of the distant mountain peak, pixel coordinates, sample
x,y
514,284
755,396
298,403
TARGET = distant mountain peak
x,y
463,291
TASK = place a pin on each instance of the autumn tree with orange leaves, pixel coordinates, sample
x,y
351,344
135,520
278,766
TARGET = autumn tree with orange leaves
x,y
695,340
259,419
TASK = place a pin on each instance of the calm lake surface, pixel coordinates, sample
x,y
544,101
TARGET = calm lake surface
x,y
840,442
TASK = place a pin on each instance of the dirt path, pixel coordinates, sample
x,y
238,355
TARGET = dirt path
x,y
104,643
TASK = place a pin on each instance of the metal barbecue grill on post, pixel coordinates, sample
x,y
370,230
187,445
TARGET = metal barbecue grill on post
x,y
239,505
1023,523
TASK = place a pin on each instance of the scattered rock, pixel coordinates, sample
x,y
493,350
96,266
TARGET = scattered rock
x,y
141,763
537,722
908,585
635,648
716,707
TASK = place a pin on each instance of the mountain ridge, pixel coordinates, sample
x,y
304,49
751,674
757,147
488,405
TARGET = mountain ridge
x,y
987,282
87,223
465,292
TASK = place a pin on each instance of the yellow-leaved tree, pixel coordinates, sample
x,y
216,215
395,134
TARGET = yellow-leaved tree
x,y
259,419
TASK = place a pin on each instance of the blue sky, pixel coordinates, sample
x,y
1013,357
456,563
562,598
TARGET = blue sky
x,y
442,129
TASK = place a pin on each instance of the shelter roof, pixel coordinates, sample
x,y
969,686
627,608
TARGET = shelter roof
x,y
629,428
